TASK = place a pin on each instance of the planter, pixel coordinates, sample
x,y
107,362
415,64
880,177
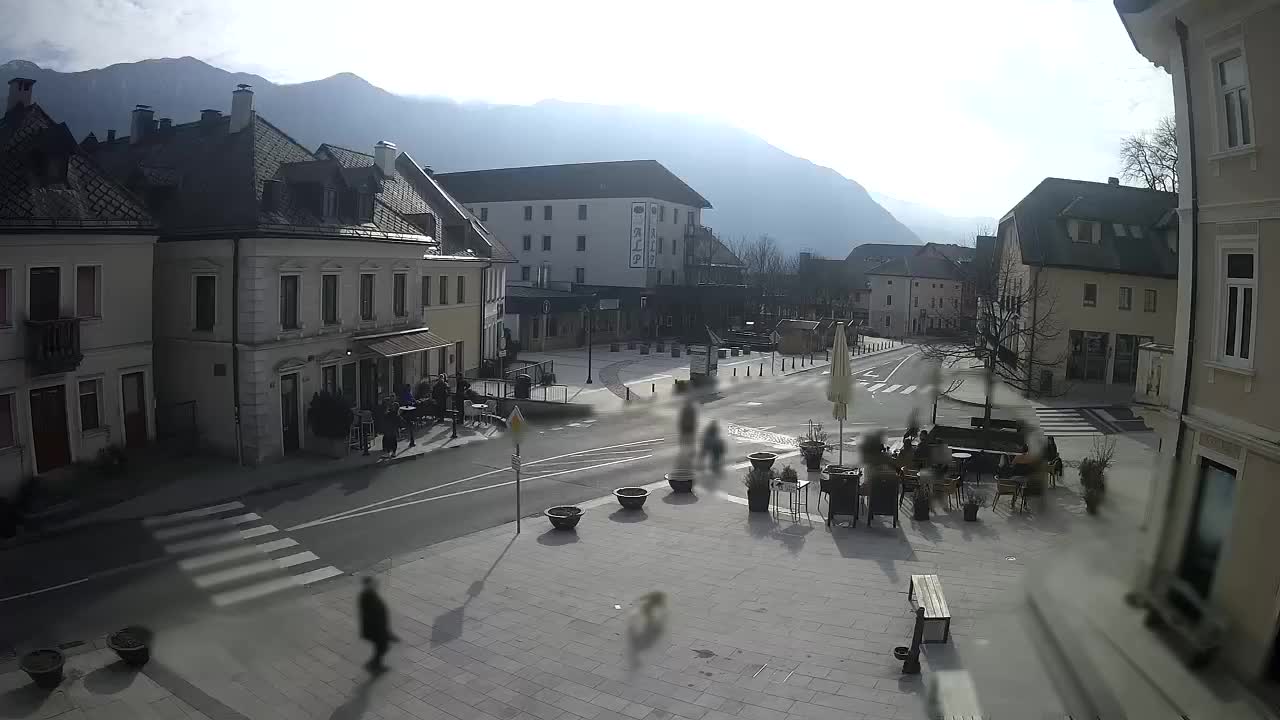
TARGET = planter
x,y
613,347
644,349
662,347
841,486
44,666
722,353
564,517
735,352
631,498
681,481
631,344
1092,499
675,351
920,509
746,351
758,500
971,513
812,451
762,460
132,645
901,652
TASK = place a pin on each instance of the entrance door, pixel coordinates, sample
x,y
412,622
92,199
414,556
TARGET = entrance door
x,y
368,384
45,289
289,411
133,393
1088,358
1125,368
49,428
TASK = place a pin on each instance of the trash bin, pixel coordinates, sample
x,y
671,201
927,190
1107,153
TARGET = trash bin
x,y
523,385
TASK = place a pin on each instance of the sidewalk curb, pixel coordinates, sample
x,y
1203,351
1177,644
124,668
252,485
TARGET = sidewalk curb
x,y
855,358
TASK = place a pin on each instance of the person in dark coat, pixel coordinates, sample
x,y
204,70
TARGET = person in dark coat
x,y
390,427
374,624
439,395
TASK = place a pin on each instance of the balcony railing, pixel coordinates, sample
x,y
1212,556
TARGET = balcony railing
x,y
53,346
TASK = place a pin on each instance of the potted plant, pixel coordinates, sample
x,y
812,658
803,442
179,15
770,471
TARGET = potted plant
x,y
921,501
812,444
631,498
762,460
789,475
681,481
971,503
132,644
330,419
758,482
564,517
1093,472
44,666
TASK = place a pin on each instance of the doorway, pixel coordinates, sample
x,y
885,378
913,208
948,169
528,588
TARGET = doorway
x,y
45,292
289,412
368,384
49,428
1088,358
133,395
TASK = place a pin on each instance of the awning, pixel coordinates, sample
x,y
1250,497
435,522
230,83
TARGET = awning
x,y
404,343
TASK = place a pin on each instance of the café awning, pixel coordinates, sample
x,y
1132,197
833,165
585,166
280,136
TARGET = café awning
x,y
403,343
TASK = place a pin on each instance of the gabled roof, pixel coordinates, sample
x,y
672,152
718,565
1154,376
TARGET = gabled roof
x,y
618,179
87,200
868,255
921,266
796,325
954,253
1043,215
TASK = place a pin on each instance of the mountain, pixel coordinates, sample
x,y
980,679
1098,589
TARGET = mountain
x,y
755,187
931,225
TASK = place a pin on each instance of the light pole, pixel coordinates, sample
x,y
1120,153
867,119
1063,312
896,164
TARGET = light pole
x,y
588,317
457,401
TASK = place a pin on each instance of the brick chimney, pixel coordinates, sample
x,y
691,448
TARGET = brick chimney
x,y
19,92
140,124
208,116
1113,181
111,134
241,107
384,156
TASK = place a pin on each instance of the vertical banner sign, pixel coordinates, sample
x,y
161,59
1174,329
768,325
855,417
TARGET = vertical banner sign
x,y
652,246
637,252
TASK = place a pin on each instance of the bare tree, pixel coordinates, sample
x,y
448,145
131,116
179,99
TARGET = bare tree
x,y
1015,323
1151,158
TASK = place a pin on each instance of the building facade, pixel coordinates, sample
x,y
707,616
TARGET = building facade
x,y
1220,431
76,368
281,272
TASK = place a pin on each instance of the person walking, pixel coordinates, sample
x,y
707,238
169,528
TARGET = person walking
x,y
440,396
390,427
374,625
713,446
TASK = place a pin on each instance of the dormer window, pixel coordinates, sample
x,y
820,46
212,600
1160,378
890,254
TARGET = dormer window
x,y
330,207
364,206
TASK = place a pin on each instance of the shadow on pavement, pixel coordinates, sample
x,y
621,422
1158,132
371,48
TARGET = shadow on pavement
x,y
555,537
628,516
110,679
675,498
354,707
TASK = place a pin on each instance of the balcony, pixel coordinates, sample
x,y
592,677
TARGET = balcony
x,y
53,346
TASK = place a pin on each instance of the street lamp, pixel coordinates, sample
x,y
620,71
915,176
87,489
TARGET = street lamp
x,y
588,315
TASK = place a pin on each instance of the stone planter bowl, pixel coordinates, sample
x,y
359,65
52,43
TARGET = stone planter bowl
x,y
564,517
631,498
681,481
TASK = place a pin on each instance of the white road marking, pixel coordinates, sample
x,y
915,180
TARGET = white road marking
x,y
191,514
219,539
875,387
267,587
909,389
892,388
899,365
200,562
44,590
196,528
239,572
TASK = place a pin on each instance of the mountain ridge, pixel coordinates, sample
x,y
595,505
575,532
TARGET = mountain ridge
x,y
754,187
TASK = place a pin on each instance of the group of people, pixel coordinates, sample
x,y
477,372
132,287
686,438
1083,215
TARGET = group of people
x,y
713,446
392,415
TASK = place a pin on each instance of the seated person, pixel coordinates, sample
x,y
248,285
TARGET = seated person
x,y
404,397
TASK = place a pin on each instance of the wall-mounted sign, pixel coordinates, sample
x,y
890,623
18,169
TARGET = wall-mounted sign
x,y
546,307
609,304
651,247
636,252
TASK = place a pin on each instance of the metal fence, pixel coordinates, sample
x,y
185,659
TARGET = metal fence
x,y
538,371
506,389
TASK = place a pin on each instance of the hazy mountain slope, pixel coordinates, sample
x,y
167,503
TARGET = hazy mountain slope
x,y
933,226
755,187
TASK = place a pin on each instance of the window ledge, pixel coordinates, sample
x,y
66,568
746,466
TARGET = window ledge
x,y
1249,151
1215,365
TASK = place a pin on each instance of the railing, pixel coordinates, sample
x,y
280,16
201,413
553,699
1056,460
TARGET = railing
x,y
53,346
538,371
506,389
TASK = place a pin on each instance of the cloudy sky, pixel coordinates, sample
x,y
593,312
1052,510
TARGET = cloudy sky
x,y
961,106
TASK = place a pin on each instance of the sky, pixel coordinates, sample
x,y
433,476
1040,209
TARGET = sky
x,y
959,106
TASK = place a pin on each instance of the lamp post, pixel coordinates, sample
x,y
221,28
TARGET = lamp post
x,y
588,315
457,401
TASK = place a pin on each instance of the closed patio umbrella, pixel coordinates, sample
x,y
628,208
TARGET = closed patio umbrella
x,y
840,389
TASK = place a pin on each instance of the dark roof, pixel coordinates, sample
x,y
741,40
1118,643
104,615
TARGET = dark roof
x,y
868,255
923,265
954,253
523,291
985,262
32,145
1041,219
619,179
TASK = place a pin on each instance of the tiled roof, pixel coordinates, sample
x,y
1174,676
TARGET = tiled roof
x,y
868,255
619,179
1042,217
88,199
954,253
924,266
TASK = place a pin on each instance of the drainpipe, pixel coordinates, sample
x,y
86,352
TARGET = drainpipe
x,y
235,345
1035,320
484,301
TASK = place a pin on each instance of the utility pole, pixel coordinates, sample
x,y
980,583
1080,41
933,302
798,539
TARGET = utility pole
x,y
591,317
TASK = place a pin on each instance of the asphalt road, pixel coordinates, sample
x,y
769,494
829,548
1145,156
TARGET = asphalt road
x,y
79,586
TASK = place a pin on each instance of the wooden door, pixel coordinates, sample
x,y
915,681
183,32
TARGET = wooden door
x,y
289,412
133,397
49,428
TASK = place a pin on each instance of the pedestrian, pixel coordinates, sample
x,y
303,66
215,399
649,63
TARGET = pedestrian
x,y
440,396
390,427
688,423
713,446
374,625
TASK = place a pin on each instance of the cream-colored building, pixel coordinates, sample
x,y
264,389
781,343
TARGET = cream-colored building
x,y
1215,488
281,272
75,302
1095,266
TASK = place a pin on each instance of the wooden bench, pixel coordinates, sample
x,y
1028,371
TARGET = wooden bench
x,y
1193,628
937,617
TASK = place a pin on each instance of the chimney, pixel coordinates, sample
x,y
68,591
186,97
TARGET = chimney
x,y
166,124
19,92
384,156
111,134
208,116
241,107
427,169
1113,181
140,125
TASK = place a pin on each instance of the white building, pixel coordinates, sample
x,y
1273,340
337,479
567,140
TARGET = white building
x,y
281,272
75,301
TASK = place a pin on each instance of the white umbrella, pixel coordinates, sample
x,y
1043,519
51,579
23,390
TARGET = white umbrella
x,y
840,389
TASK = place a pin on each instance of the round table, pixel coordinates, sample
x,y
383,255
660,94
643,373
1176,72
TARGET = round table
x,y
962,458
479,410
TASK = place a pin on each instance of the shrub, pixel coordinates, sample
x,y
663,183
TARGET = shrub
x,y
757,480
789,475
329,416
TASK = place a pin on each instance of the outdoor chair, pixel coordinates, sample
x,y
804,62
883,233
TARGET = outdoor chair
x,y
910,481
949,488
1006,487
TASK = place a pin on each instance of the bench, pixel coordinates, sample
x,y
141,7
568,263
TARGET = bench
x,y
937,617
1192,627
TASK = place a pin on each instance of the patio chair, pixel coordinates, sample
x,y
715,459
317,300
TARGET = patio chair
x,y
949,488
910,481
1006,487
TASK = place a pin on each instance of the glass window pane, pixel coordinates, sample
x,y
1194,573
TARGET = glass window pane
x,y
1233,130
87,291
1232,302
1246,323
1231,72
6,421
89,405
1246,136
1240,265
1210,525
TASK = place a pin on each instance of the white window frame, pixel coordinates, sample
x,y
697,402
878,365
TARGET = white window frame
x,y
1084,295
1119,229
1155,294
195,295
580,275
1220,94
404,297
280,302
7,322
1120,298
1231,245
337,299
373,298
97,390
97,290
13,420
337,376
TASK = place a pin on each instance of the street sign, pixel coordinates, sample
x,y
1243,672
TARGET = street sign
x,y
546,307
609,304
515,462
516,425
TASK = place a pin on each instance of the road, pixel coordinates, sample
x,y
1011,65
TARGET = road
x,y
254,549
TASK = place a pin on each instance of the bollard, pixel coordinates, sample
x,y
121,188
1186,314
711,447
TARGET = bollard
x,y
748,371
911,666
653,388
761,368
628,393
735,372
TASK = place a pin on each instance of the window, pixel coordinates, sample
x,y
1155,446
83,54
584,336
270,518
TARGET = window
x,y
89,416
289,302
528,212
546,243
524,273
349,382
1237,299
365,202
673,276
582,242
1148,301
955,303
88,291
916,299
397,372
673,245
1126,298
6,297
399,294
444,290
675,216
546,212
330,208
1119,230
887,320
1233,87
1210,524
329,379
7,436
1090,294
932,305
206,301
462,289
661,242
888,300
366,296
528,242
579,275
582,212
1083,231
662,213
426,291
484,214
329,299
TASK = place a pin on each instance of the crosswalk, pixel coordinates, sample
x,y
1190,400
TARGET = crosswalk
x,y
872,386
1068,422
234,554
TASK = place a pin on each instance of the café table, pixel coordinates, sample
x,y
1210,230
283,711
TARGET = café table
x,y
962,459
